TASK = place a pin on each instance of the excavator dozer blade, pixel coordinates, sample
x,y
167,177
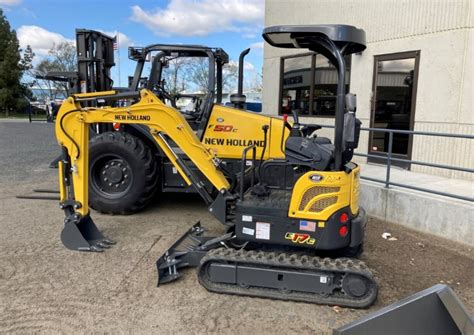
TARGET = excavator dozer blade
x,y
187,251
83,235
183,253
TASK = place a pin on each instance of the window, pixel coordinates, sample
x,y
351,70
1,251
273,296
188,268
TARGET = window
x,y
393,106
309,85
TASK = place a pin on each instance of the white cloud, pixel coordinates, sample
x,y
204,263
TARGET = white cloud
x,y
256,45
249,35
40,39
123,40
247,65
202,17
10,2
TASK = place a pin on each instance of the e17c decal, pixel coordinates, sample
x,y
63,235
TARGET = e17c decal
x,y
300,238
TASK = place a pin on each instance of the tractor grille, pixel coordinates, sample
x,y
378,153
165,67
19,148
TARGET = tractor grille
x,y
319,205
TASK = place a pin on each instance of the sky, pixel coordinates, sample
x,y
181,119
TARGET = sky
x,y
230,24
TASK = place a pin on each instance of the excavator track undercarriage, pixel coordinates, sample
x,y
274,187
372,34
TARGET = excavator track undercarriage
x,y
288,276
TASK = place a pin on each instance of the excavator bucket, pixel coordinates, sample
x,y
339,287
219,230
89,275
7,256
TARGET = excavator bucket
x,y
83,235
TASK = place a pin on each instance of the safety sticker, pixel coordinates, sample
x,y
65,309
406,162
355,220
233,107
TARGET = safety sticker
x,y
248,231
308,225
247,218
262,231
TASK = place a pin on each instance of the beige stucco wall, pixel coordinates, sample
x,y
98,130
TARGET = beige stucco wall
x,y
443,31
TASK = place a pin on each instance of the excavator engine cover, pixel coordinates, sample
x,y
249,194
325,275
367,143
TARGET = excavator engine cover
x,y
313,152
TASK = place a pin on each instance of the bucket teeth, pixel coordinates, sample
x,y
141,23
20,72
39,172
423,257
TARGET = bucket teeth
x,y
102,245
96,248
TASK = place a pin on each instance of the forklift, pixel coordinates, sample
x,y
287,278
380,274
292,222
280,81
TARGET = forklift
x,y
293,221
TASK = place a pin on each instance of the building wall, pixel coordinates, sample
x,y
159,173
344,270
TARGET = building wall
x,y
443,31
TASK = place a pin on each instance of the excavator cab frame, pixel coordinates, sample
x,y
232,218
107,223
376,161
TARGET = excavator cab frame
x,y
334,42
159,54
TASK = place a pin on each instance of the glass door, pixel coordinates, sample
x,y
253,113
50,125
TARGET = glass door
x,y
393,105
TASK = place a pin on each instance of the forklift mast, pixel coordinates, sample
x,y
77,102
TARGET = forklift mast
x,y
95,58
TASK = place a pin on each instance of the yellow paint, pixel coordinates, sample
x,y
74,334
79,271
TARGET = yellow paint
x,y
149,111
225,123
93,94
229,131
62,186
329,179
355,185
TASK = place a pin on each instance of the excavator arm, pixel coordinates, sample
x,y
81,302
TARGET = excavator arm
x,y
165,124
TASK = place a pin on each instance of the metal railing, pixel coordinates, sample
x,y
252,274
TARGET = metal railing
x,y
389,158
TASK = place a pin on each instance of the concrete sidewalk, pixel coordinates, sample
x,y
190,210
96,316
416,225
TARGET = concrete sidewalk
x,y
428,181
439,215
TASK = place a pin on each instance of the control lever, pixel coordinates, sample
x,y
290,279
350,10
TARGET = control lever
x,y
295,130
296,122
285,122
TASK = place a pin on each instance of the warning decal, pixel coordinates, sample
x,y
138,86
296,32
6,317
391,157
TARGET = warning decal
x,y
262,231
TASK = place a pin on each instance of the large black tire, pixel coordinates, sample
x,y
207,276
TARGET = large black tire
x,y
123,174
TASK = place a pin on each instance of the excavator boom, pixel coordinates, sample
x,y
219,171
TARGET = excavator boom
x,y
165,124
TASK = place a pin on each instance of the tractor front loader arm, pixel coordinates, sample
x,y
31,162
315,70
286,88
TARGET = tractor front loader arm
x,y
165,124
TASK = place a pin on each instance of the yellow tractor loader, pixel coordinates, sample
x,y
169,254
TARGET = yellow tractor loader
x,y
301,200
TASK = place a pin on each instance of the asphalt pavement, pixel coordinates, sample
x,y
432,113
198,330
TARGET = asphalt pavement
x,y
26,149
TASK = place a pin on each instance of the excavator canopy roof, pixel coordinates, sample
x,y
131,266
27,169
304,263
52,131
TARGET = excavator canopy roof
x,y
304,36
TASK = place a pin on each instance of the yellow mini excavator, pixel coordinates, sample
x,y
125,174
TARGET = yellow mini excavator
x,y
282,213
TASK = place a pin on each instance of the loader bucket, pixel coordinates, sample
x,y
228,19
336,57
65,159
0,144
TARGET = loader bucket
x,y
83,235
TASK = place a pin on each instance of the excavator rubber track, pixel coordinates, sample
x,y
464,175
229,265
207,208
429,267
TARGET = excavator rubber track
x,y
288,276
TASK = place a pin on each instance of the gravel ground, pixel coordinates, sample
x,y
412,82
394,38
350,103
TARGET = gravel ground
x,y
46,288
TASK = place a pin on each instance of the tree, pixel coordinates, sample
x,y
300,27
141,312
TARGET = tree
x,y
199,75
230,73
61,58
12,92
26,62
256,82
175,75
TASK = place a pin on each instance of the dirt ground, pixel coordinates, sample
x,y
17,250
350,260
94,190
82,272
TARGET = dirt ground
x,y
46,288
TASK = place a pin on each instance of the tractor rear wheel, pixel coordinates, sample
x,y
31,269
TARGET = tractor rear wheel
x,y
123,173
